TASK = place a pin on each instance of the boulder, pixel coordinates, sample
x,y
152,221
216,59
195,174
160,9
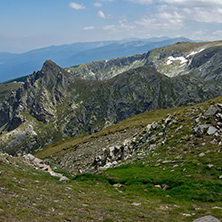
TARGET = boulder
x,y
213,110
207,219
211,130
201,129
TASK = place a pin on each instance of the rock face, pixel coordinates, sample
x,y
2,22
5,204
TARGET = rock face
x,y
64,105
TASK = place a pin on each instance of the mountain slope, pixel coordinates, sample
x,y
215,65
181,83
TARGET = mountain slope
x,y
53,104
16,65
202,60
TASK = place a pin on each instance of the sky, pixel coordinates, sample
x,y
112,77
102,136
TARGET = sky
x,y
32,24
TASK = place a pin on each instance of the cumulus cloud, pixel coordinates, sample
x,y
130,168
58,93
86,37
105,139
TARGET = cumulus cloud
x,y
197,3
142,2
97,4
101,14
110,27
165,18
89,28
76,6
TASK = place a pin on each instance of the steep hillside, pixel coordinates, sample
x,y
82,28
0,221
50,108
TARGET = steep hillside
x,y
107,69
53,104
203,60
199,59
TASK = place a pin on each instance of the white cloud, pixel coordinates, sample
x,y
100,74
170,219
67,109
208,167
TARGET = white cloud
x,y
101,14
213,15
166,18
197,3
97,4
142,2
110,27
89,28
76,6
217,34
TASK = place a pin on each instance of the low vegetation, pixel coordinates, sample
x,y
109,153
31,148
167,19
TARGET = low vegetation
x,y
179,181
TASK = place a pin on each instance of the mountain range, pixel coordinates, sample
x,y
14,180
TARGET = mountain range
x,y
54,104
144,132
14,65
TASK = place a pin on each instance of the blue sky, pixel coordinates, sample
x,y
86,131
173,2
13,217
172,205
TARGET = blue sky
x,y
31,24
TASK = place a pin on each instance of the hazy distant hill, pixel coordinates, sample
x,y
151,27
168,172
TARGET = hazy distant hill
x,y
16,65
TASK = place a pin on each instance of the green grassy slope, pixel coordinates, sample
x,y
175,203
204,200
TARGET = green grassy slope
x,y
127,192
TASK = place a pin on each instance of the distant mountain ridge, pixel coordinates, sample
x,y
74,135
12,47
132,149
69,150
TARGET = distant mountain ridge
x,y
202,60
13,66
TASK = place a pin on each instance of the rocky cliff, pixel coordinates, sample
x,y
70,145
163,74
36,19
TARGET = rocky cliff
x,y
53,104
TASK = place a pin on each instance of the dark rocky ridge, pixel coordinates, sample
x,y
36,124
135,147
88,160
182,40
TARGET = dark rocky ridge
x,y
68,106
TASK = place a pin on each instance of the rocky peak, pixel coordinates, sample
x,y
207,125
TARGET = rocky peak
x,y
52,74
40,93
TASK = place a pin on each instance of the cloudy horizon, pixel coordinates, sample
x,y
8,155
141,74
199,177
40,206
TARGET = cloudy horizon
x,y
29,25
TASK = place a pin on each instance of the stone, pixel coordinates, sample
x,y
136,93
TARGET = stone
x,y
219,105
220,177
201,129
64,178
202,154
136,204
37,161
186,215
207,219
30,157
213,110
211,130
167,120
219,116
165,187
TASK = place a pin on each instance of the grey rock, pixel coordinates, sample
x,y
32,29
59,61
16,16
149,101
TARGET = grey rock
x,y
213,110
211,130
30,157
219,105
201,129
207,219
219,116
64,178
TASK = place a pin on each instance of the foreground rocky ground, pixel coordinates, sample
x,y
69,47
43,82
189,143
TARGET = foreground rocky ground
x,y
163,165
